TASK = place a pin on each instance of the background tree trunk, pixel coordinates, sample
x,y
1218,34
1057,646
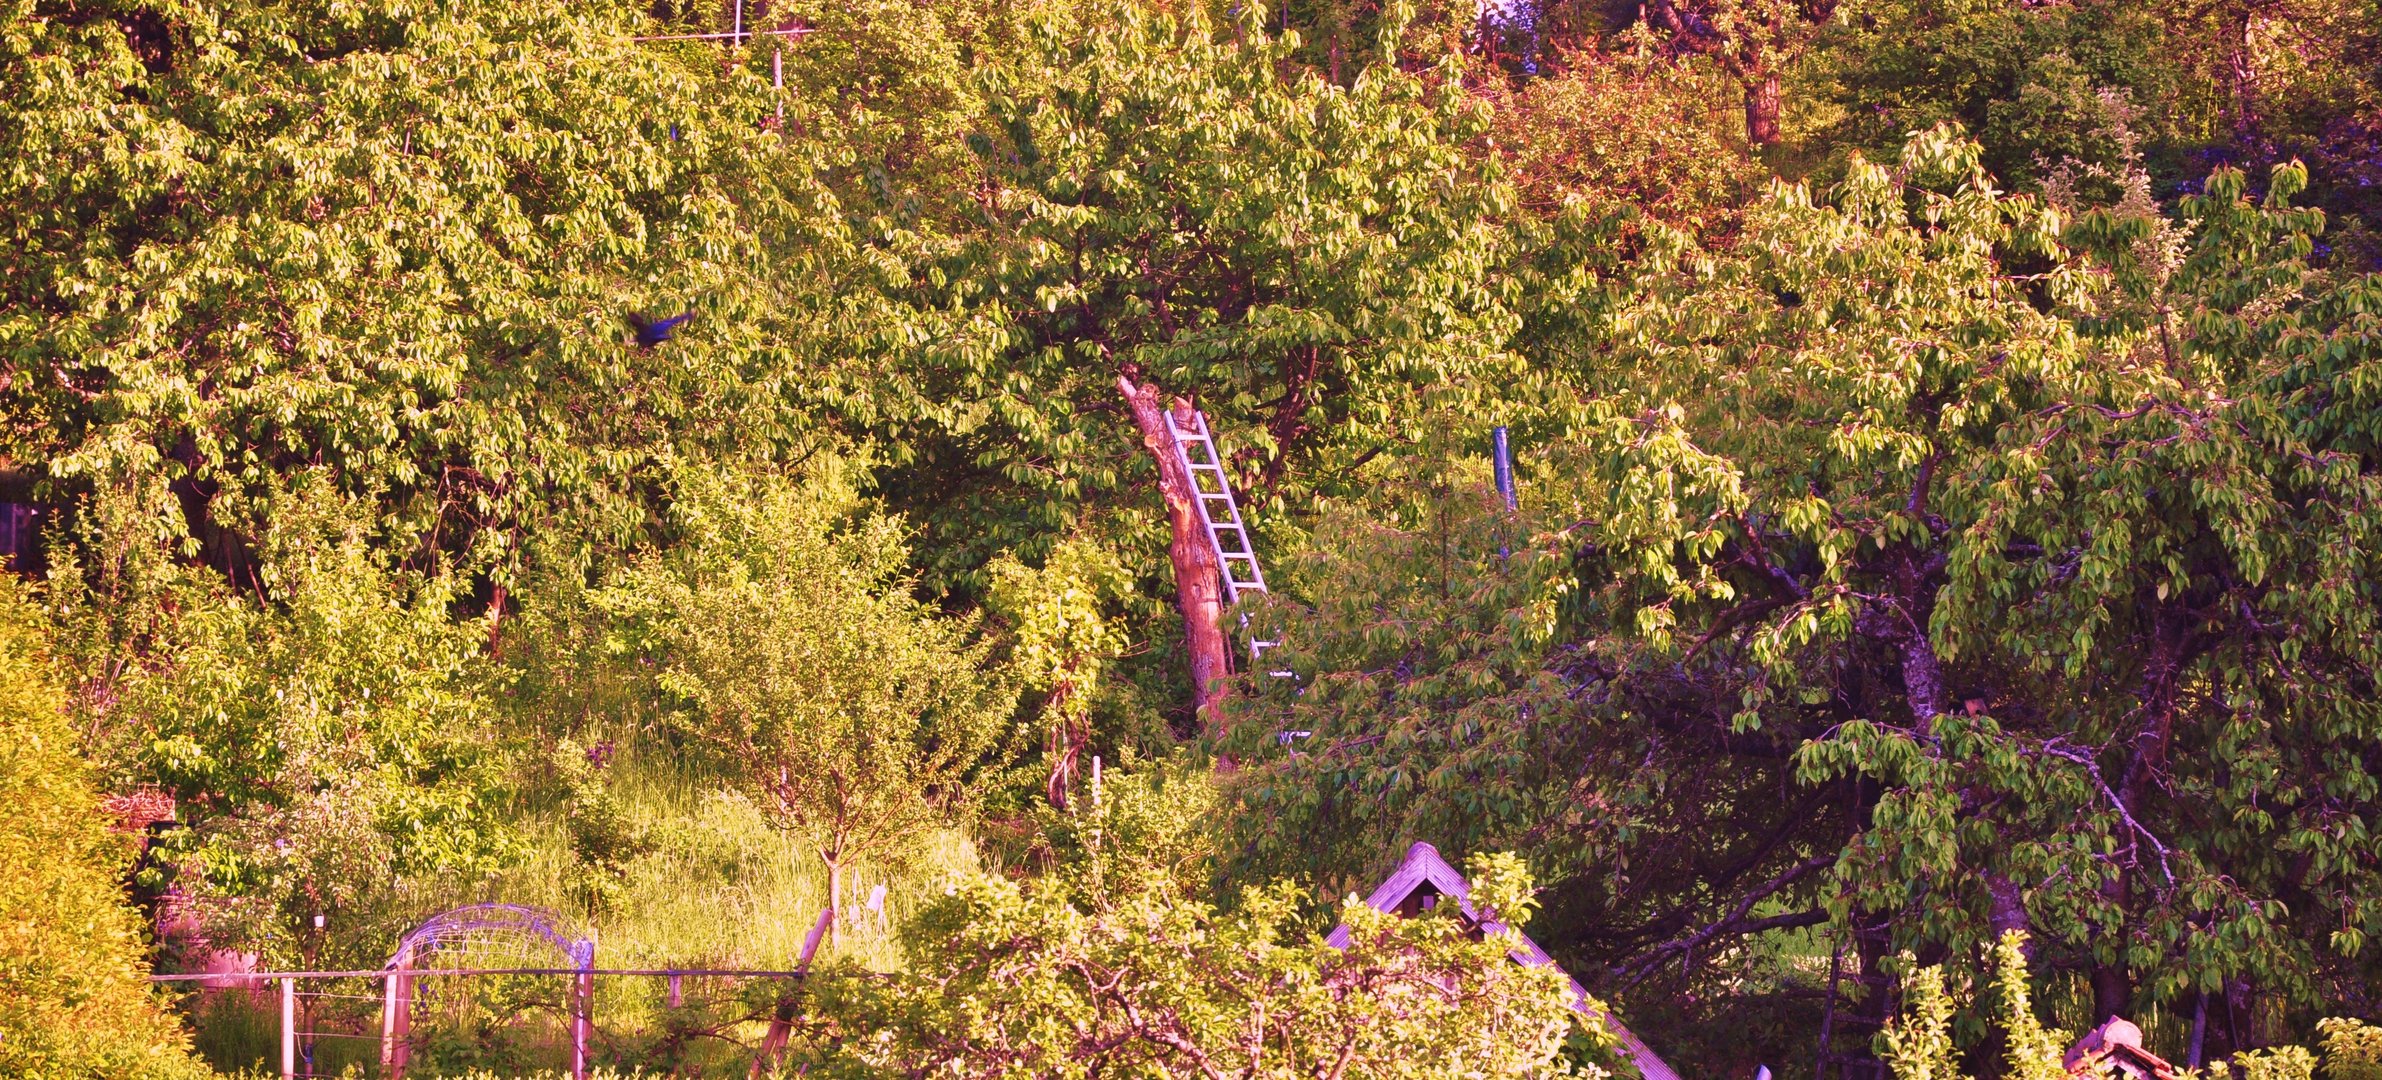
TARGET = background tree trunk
x,y
1761,109
1198,593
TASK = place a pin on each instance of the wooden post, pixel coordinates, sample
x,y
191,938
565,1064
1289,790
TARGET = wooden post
x,y
582,1003
289,1028
397,1014
676,999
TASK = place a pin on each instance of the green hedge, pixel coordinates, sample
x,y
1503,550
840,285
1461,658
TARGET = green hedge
x,y
73,1003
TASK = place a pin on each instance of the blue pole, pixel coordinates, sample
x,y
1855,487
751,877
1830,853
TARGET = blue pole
x,y
1505,471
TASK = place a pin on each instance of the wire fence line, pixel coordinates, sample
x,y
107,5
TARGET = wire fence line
x,y
309,1019
383,973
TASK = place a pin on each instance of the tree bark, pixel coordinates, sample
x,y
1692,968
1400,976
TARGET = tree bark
x,y
2113,983
1761,109
1198,591
835,901
2241,75
2113,989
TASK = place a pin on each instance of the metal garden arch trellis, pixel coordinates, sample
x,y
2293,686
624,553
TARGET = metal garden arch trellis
x,y
479,932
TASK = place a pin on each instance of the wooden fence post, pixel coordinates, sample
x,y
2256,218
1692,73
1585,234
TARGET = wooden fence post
x,y
582,1004
289,1029
397,1014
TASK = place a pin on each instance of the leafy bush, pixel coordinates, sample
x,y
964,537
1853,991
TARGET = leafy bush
x,y
790,645
2352,1049
326,742
1114,966
73,1003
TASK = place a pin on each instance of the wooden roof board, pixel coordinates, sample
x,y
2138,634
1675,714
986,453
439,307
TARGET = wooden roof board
x,y
1423,866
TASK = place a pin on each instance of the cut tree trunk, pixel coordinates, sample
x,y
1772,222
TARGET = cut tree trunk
x,y
1198,592
781,1019
1761,109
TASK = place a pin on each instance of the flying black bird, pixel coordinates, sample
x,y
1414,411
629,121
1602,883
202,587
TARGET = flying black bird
x,y
652,332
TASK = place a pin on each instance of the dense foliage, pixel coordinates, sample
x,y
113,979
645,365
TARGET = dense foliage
x,y
784,639
1112,966
1967,568
1948,448
73,1005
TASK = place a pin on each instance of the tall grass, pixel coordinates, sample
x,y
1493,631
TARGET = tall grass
x,y
712,885
718,885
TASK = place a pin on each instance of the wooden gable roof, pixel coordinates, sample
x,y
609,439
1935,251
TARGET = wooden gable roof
x,y
1424,879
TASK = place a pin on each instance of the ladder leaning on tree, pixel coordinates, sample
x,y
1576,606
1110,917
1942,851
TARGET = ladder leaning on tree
x,y
1228,534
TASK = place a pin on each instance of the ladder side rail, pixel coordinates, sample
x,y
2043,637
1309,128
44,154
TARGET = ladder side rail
x,y
1205,439
1199,504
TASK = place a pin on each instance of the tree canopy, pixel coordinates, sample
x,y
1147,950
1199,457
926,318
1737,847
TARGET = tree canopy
x,y
649,455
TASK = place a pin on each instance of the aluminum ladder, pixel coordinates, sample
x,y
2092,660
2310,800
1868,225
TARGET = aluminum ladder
x,y
1220,515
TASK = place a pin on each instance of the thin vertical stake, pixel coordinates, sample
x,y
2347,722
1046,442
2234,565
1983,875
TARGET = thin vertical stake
x,y
397,1015
1504,461
289,1029
2199,1030
1505,471
1819,1068
1095,780
777,78
676,998
582,1003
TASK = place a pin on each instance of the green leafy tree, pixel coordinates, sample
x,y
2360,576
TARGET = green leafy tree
x,y
1754,41
2014,572
73,1001
392,245
1619,125
2029,83
2253,82
1063,639
781,628
1172,208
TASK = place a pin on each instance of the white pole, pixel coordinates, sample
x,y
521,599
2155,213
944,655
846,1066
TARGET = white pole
x,y
739,22
777,78
582,1004
289,1029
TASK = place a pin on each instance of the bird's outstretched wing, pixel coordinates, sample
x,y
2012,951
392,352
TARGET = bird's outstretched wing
x,y
652,332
